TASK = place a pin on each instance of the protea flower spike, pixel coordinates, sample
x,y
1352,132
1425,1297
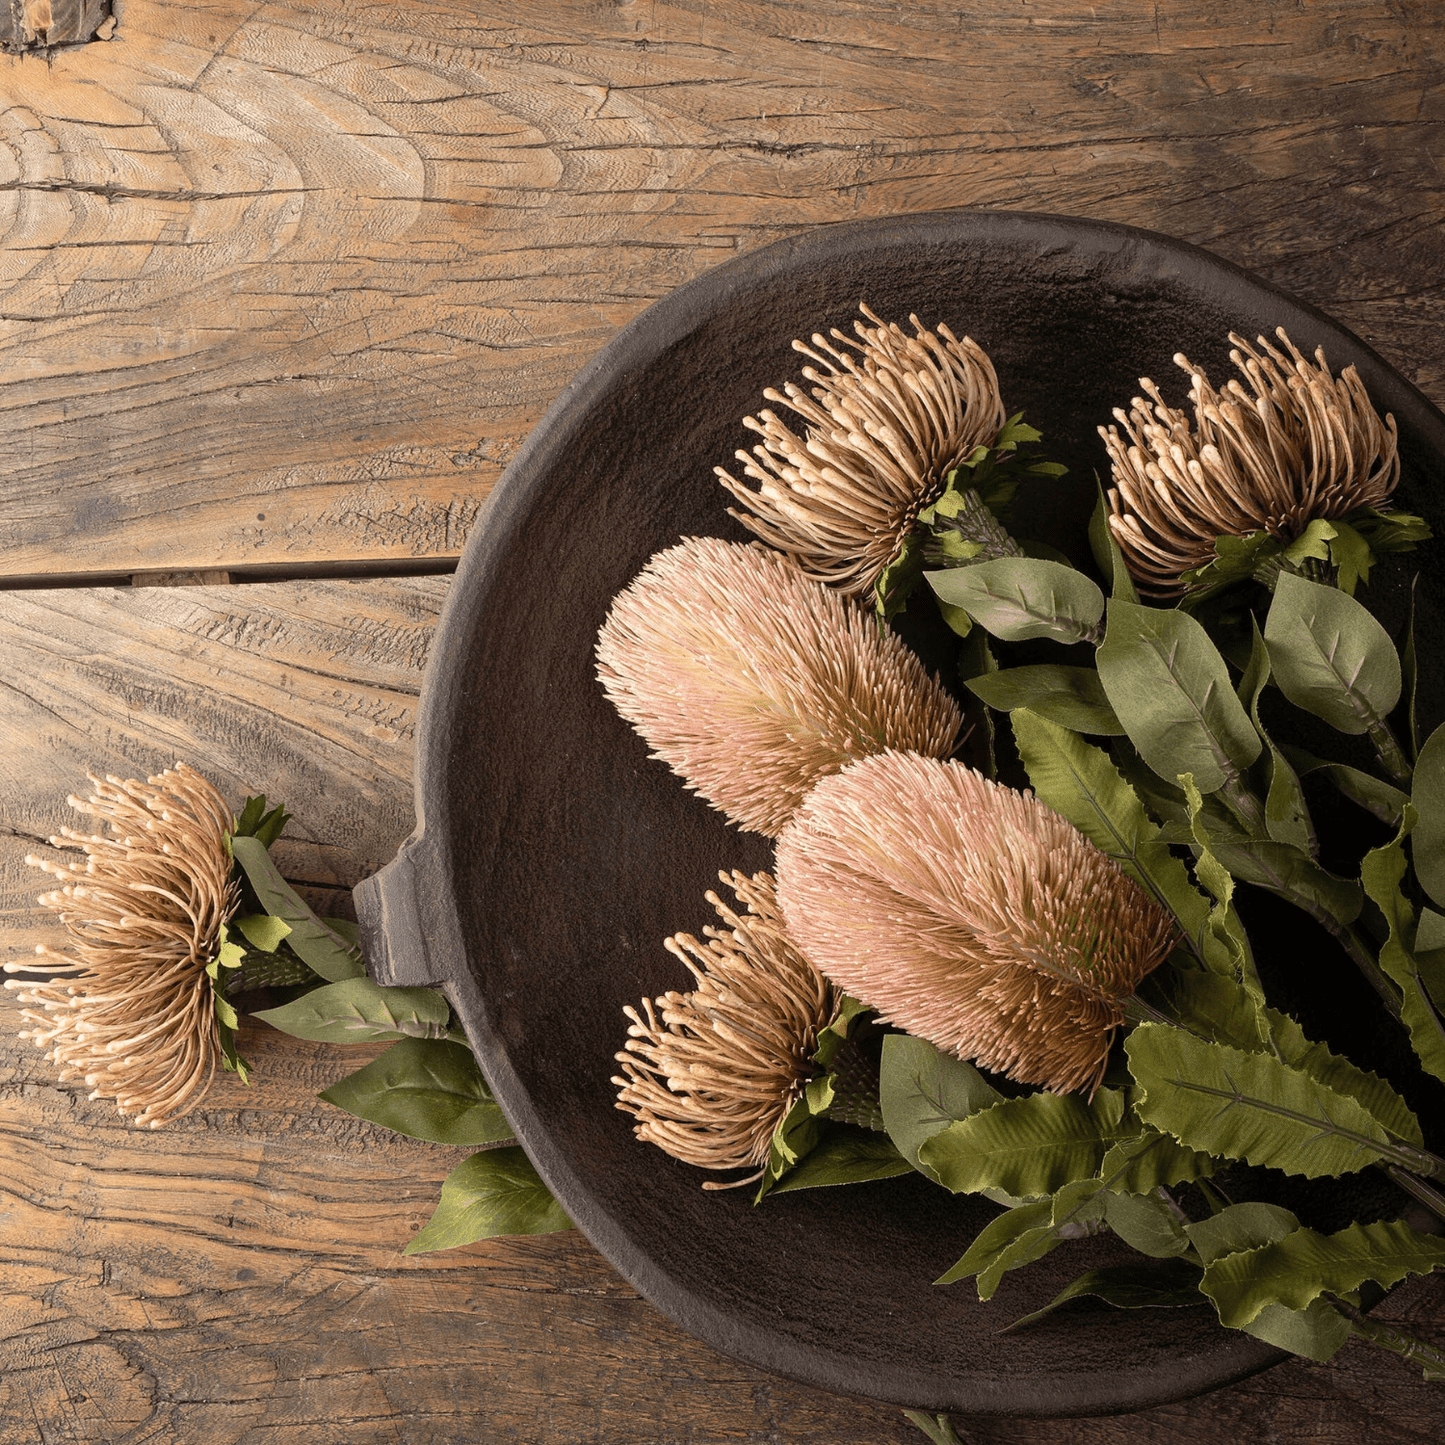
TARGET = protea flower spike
x,y
970,915
132,1011
1303,445
752,682
708,1075
890,415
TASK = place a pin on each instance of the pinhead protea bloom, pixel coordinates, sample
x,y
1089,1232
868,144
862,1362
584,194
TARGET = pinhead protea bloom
x,y
132,1011
1303,445
708,1075
753,682
888,418
968,914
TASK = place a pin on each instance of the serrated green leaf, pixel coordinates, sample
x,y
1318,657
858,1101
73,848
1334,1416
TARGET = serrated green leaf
x,y
1072,697
1351,556
1146,1223
1170,688
1017,598
1427,792
427,1089
1303,1265
923,1090
845,1155
1028,1146
1240,1227
1168,1284
263,931
1081,782
357,1010
1286,816
1152,1160
496,1192
1330,656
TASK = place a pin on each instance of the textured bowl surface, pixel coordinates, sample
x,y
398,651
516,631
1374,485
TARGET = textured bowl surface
x,y
554,856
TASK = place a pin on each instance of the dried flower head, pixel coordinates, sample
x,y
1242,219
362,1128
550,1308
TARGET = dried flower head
x,y
1299,445
708,1075
131,1011
890,415
752,682
970,915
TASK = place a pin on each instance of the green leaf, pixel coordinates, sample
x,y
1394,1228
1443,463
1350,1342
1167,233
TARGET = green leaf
x,y
1081,782
1151,1160
1171,691
1330,656
1146,1223
1106,550
1303,1265
1072,697
1016,598
1430,954
426,1089
254,821
1382,800
314,943
358,1011
831,1036
923,1090
899,578
1028,1146
1389,531
348,930
1253,1107
1234,560
1381,873
1240,1227
1410,675
1172,1284
495,1192
846,1155
262,930
1286,817
1312,543
939,1430
1427,792
1317,1332
1351,556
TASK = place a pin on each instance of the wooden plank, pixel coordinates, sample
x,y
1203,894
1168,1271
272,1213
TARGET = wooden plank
x,y
41,24
286,283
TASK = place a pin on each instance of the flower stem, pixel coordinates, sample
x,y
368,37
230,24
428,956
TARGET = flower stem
x,y
1418,1190
1391,754
1387,1337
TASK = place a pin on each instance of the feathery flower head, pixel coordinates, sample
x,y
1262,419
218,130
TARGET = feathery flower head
x,y
1299,445
131,1012
890,415
752,682
970,915
709,1075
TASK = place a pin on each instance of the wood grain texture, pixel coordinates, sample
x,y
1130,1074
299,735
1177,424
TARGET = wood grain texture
x,y
40,24
287,282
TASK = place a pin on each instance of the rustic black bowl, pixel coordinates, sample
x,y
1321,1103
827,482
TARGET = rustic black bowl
x,y
552,856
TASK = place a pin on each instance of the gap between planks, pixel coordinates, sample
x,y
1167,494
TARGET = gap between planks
x,y
360,569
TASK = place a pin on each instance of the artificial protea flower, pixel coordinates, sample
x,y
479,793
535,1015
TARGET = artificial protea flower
x,y
752,682
889,416
970,915
708,1075
132,1009
1299,445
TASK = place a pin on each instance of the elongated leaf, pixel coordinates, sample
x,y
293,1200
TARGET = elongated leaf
x,y
1253,1107
1146,1223
1072,697
1430,954
1081,782
1016,598
1304,1265
938,1429
426,1089
315,944
492,1193
846,1155
1286,817
1383,800
357,1011
1107,554
1028,1146
1427,792
1330,656
1171,691
923,1090
1151,1160
1170,1284
1286,871
1381,873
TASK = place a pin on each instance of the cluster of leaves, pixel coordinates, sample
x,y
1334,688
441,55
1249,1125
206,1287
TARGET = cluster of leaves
x,y
426,1086
1150,739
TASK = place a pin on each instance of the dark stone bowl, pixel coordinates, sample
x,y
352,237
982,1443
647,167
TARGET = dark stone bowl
x,y
552,856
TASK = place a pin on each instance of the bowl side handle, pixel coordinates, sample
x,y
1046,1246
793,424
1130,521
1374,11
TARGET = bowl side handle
x,y
395,940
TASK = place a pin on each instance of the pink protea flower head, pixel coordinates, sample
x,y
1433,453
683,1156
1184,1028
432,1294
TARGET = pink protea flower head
x,y
752,682
970,915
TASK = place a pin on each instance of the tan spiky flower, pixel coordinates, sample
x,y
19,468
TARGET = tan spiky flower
x,y
1300,444
889,416
752,682
708,1075
970,915
131,1010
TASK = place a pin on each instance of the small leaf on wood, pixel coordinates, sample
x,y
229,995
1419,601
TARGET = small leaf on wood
x,y
1016,598
359,1011
495,1192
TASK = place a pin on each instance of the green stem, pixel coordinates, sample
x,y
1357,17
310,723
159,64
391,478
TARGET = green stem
x,y
1418,1190
1391,754
1387,1337
1245,805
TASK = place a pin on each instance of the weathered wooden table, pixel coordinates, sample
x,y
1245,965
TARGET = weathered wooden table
x,y
282,286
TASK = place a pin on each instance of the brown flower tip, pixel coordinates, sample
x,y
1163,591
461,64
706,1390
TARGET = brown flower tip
x,y
970,915
132,1011
708,1075
753,682
1300,444
890,415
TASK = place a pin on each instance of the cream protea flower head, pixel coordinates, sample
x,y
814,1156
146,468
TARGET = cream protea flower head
x,y
752,682
132,1011
970,915
1299,445
708,1075
889,417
